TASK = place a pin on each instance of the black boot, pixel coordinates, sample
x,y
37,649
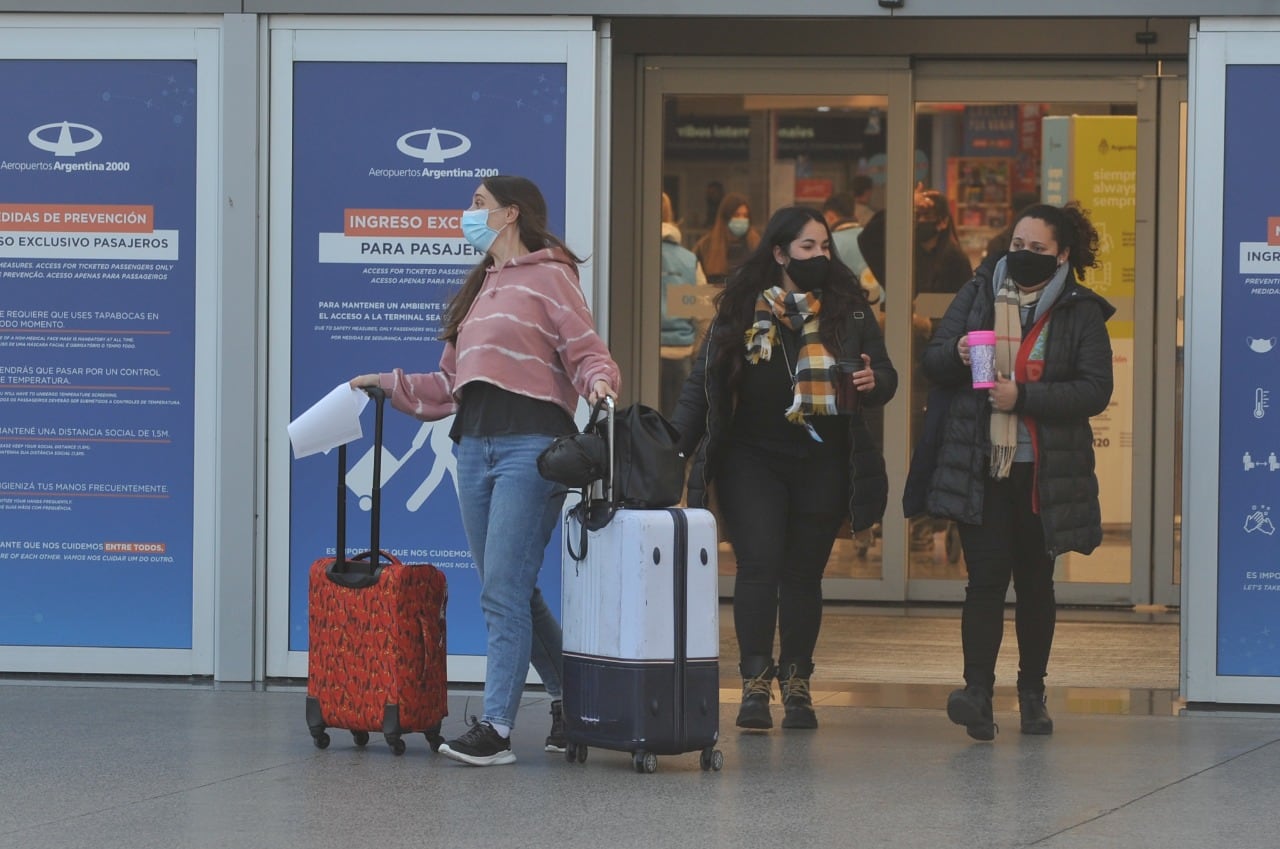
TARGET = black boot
x,y
1035,716
757,690
793,684
971,707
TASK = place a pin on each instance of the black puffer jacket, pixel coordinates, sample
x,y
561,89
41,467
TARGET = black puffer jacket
x,y
1076,384
705,410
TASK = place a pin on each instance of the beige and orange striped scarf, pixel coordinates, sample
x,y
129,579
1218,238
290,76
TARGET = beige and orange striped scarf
x,y
814,391
1009,303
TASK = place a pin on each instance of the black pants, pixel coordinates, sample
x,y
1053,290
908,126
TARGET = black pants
x,y
671,377
1009,542
781,514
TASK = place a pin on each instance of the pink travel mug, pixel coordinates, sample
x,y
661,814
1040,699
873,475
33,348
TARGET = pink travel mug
x,y
982,358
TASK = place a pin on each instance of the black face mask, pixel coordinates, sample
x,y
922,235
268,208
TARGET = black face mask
x,y
1030,269
809,274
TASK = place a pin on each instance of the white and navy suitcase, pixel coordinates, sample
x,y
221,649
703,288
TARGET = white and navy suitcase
x,y
641,638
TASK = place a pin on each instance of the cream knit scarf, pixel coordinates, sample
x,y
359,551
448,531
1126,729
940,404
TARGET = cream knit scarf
x,y
1009,303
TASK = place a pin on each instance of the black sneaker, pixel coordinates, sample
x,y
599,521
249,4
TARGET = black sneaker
x,y
1035,716
971,707
556,741
480,746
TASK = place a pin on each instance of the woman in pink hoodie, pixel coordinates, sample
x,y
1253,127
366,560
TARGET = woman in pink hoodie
x,y
520,349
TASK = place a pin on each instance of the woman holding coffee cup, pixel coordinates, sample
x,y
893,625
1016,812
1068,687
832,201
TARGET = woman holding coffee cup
x,y
772,414
1016,466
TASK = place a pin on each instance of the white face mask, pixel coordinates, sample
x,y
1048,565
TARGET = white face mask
x,y
739,226
476,229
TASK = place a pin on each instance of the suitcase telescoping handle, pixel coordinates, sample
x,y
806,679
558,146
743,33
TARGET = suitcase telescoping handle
x,y
362,570
608,406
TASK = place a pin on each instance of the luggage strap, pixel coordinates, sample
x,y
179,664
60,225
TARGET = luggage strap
x,y
593,513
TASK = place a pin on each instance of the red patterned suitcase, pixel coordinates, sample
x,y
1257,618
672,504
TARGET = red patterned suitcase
x,y
377,650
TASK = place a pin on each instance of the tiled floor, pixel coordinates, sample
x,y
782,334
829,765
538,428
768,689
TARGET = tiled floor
x,y
103,764
107,766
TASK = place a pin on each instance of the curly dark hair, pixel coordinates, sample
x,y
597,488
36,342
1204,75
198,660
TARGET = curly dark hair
x,y
1071,229
735,306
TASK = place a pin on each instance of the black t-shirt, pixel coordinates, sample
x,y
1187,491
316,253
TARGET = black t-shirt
x,y
488,410
765,393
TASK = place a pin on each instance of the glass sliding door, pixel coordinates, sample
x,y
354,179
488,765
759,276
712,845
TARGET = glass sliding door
x,y
985,140
989,147
724,147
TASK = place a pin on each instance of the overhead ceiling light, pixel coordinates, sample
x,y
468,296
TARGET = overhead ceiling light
x,y
824,108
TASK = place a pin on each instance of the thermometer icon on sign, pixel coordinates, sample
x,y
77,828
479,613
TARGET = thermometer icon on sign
x,y
1260,404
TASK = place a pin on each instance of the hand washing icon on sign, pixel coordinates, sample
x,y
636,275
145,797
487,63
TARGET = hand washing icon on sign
x,y
1259,521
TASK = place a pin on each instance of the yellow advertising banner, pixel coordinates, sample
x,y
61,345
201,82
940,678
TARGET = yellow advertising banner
x,y
1104,179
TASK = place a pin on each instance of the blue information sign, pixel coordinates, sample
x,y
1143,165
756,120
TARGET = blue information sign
x,y
386,155
1249,482
97,354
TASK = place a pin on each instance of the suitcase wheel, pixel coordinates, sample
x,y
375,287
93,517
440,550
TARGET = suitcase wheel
x,y
321,740
575,753
434,738
711,759
645,762
360,737
396,744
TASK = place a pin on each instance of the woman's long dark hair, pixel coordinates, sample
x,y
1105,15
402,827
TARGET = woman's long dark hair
x,y
942,209
715,256
1071,229
525,196
736,305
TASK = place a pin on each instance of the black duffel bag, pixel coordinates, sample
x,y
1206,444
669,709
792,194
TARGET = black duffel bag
x,y
648,471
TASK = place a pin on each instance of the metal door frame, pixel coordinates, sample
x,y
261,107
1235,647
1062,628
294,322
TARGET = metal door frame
x,y
1170,267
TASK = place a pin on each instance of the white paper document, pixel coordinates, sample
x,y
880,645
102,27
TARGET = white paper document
x,y
332,421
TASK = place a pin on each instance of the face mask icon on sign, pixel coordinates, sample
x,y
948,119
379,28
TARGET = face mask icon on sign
x,y
1260,346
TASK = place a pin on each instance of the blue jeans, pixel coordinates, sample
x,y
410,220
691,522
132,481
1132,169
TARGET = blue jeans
x,y
509,512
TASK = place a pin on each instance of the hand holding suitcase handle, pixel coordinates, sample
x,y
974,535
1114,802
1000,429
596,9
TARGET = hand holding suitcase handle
x,y
363,569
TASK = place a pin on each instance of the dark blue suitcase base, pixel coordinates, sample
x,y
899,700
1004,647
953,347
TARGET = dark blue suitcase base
x,y
629,706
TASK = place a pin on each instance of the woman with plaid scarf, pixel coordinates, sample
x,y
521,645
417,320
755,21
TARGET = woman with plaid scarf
x,y
1015,466
772,415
